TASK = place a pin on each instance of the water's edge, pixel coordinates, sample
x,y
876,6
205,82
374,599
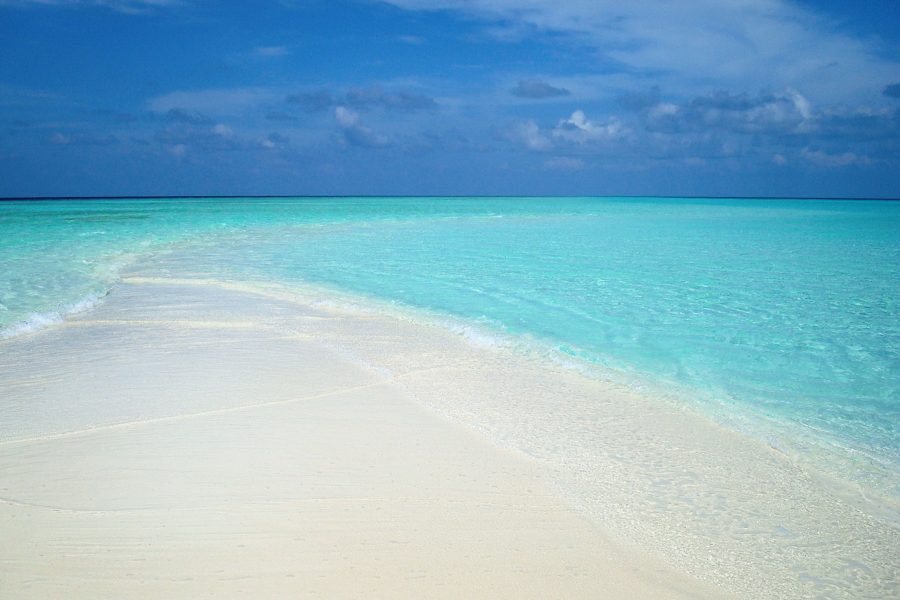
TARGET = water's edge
x,y
360,252
734,419
649,469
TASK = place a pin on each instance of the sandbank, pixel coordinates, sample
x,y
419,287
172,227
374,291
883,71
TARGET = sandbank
x,y
188,439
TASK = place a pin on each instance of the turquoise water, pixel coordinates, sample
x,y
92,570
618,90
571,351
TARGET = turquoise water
x,y
785,310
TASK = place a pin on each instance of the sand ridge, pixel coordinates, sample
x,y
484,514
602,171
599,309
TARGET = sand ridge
x,y
244,450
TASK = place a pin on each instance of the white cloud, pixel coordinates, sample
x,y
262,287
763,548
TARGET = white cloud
x,y
773,113
273,141
222,130
802,105
530,134
576,128
579,129
354,133
663,110
695,45
346,117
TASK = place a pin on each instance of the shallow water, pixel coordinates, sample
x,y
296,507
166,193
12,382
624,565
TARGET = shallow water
x,y
780,316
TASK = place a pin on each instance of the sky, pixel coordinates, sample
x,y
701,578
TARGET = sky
x,y
464,97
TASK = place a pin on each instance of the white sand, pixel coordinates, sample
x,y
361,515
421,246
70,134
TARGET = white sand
x,y
182,441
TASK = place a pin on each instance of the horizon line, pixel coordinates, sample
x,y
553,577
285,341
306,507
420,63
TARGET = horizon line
x,y
345,196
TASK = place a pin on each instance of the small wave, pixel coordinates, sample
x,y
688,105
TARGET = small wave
x,y
37,321
477,334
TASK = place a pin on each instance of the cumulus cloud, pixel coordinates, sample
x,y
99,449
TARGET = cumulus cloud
x,y
777,128
784,118
222,130
346,117
787,102
574,129
529,134
215,138
782,112
579,129
536,89
353,132
273,141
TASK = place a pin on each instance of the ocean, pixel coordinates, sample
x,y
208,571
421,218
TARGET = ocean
x,y
777,317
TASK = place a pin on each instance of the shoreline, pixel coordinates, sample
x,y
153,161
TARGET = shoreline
x,y
818,398
817,454
265,463
651,476
781,436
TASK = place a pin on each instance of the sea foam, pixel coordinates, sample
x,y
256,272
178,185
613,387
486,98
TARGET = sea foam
x,y
38,321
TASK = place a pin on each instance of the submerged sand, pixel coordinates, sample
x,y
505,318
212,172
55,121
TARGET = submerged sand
x,y
191,438
181,441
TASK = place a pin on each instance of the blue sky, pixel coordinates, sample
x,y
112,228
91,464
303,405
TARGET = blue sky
x,y
698,97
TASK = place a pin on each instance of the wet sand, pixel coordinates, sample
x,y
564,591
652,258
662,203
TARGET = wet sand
x,y
183,440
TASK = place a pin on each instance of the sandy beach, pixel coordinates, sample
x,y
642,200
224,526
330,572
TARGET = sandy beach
x,y
176,442
192,437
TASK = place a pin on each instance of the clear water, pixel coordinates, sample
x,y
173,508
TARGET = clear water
x,y
786,310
